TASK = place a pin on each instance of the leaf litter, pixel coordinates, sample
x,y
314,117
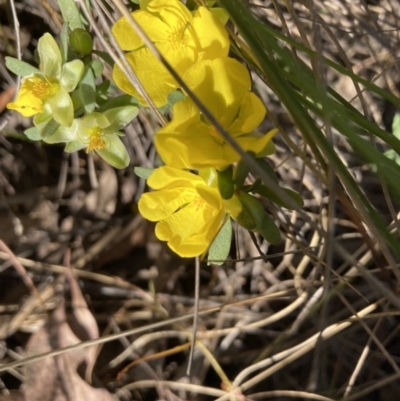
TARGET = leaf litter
x,y
65,377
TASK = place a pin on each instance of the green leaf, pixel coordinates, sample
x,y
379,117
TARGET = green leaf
x,y
119,118
268,229
221,14
97,67
33,134
264,164
246,220
294,84
225,183
143,172
70,13
174,97
271,195
64,43
240,173
253,186
220,247
48,128
74,146
20,68
396,125
105,56
119,101
64,134
102,93
264,224
392,154
87,90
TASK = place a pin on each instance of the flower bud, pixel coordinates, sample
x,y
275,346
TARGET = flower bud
x,y
81,41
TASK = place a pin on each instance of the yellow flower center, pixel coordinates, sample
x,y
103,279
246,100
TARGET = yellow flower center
x,y
216,135
179,37
96,139
40,87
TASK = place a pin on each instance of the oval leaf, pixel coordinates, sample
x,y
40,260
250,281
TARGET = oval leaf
x,y
225,183
87,90
20,68
70,13
220,247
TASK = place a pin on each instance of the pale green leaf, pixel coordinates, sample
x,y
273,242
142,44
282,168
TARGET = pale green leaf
x,y
174,97
143,172
74,146
396,125
20,68
119,118
220,247
70,13
87,90
33,134
64,134
49,128
97,67
64,43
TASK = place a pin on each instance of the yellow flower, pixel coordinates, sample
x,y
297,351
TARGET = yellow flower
x,y
188,210
98,132
190,141
45,93
181,37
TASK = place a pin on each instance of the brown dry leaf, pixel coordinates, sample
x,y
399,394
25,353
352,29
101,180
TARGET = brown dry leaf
x,y
6,97
60,378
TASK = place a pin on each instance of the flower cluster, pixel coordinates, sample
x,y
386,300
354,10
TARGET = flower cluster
x,y
190,209
62,98
203,182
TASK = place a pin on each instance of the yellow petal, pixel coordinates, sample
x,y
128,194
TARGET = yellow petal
x,y
172,12
159,205
179,56
167,177
190,231
26,103
232,206
126,35
213,37
158,83
251,114
249,143
220,84
193,148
